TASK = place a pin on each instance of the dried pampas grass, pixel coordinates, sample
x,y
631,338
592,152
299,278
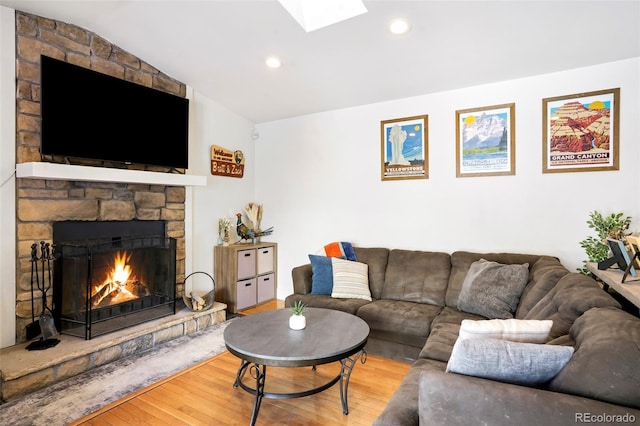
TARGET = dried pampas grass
x,y
254,213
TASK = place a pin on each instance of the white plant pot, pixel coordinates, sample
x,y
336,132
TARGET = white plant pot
x,y
297,322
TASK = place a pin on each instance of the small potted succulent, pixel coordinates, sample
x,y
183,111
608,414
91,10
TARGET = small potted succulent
x,y
297,320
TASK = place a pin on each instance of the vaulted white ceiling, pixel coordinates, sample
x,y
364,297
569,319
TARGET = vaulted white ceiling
x,y
219,47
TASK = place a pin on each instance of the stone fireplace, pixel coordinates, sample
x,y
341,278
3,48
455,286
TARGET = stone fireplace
x,y
52,191
42,202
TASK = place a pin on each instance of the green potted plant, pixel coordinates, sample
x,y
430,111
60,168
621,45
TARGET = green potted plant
x,y
297,320
614,226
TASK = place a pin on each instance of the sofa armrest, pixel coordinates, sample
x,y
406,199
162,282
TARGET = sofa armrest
x,y
302,277
454,399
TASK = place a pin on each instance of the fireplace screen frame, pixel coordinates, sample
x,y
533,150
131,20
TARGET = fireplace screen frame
x,y
77,261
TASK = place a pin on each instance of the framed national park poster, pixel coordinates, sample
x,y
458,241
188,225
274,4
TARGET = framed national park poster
x,y
404,148
485,141
580,132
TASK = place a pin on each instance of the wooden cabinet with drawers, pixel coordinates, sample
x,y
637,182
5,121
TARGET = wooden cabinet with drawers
x,y
245,274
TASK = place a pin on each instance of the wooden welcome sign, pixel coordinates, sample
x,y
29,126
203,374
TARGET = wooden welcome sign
x,y
226,163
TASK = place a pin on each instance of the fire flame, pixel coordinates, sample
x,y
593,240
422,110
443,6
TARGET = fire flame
x,y
121,271
115,283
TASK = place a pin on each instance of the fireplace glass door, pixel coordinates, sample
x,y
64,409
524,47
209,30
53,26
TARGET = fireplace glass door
x,y
110,285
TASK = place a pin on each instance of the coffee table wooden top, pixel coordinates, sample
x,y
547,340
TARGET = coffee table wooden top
x,y
265,338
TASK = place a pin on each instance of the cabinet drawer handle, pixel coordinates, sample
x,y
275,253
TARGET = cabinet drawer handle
x,y
247,254
267,279
265,252
247,285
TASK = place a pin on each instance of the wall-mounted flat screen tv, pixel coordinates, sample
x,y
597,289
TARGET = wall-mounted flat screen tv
x,y
90,115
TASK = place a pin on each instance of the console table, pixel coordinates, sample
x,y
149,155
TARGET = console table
x,y
630,289
245,274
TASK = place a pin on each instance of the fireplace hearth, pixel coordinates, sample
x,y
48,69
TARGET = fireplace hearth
x,y
111,275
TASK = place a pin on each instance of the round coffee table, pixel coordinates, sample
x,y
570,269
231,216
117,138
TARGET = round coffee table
x,y
265,339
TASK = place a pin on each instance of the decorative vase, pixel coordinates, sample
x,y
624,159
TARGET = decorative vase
x,y
297,322
226,238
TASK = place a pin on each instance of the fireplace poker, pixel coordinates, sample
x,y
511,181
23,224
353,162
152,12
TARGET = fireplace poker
x,y
45,323
33,329
46,319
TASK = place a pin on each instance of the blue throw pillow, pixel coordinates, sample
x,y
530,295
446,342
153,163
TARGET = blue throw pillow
x,y
506,361
322,280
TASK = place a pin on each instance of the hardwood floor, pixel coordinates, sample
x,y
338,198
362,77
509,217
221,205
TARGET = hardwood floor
x,y
204,395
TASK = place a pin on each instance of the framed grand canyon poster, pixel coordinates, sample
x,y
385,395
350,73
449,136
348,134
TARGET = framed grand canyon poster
x,y
580,132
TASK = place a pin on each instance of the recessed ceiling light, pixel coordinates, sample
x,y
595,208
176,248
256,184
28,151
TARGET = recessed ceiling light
x,y
399,26
273,62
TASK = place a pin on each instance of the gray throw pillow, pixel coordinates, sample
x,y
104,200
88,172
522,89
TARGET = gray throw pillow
x,y
507,361
492,289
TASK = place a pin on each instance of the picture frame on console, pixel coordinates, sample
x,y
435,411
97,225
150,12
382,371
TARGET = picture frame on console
x,y
634,245
404,148
620,256
580,132
485,141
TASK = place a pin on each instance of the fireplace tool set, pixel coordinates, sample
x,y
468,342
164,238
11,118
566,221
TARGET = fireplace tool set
x,y
45,324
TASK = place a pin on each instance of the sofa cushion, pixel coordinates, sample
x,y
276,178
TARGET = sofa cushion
x,y
323,301
350,279
492,289
376,258
444,333
402,408
606,364
406,320
543,276
507,361
574,294
322,280
416,276
302,277
462,260
452,399
528,331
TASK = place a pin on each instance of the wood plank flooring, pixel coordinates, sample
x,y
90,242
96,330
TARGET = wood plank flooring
x,y
204,395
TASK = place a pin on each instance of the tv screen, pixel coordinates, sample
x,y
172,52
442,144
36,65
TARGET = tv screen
x,y
90,115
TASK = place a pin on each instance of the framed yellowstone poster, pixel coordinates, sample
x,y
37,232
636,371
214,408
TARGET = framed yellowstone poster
x,y
404,148
580,132
485,141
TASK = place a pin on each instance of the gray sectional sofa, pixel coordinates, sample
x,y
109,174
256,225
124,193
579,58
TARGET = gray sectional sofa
x,y
414,315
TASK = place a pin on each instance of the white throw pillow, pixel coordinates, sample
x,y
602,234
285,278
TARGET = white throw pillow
x,y
515,330
350,279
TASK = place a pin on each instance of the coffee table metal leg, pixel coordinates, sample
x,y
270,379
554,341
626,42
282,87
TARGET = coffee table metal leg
x,y
258,372
345,374
241,371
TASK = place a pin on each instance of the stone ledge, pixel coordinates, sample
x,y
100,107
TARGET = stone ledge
x,y
23,371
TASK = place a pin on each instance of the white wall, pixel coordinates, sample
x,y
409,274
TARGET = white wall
x,y
223,196
7,178
319,177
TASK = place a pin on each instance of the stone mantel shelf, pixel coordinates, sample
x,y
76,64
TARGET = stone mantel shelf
x,y
53,171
